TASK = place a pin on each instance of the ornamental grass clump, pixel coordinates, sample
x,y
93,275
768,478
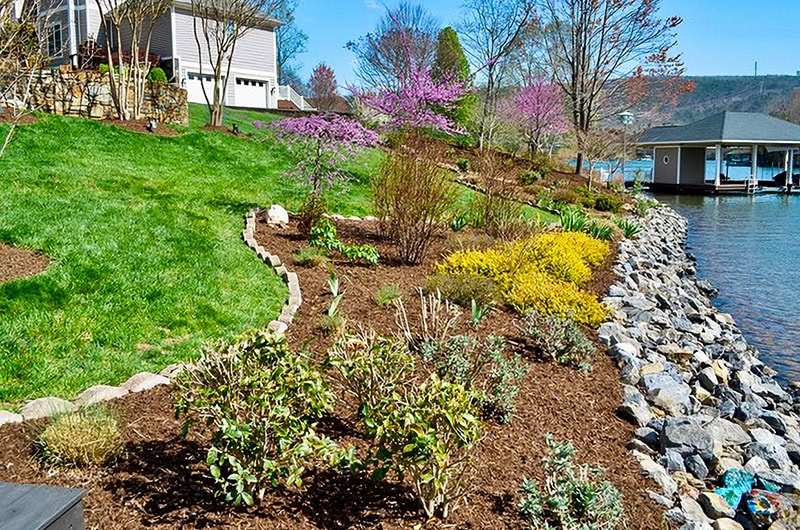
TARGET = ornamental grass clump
x,y
92,436
572,497
261,402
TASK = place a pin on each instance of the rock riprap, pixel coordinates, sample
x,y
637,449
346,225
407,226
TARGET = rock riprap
x,y
719,436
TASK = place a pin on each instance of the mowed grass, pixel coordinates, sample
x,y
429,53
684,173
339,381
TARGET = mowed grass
x,y
143,232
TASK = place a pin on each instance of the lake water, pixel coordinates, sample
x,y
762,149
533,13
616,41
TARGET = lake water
x,y
749,248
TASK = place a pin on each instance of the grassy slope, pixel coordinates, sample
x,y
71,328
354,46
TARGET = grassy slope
x,y
144,236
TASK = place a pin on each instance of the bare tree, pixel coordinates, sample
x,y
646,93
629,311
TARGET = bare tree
x,y
491,29
23,53
129,25
290,41
594,46
218,27
405,38
322,88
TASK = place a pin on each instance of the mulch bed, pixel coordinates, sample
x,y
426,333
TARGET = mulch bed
x,y
16,263
6,116
140,126
159,482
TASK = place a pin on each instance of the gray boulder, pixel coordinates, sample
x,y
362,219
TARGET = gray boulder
x,y
687,438
775,455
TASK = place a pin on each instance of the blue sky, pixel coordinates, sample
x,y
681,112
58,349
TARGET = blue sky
x,y
717,37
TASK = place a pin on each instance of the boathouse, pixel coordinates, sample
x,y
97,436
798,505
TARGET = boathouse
x,y
699,157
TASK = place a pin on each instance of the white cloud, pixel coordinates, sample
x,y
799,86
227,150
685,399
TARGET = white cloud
x,y
372,4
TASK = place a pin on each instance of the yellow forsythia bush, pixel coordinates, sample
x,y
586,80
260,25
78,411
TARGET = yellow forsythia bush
x,y
542,273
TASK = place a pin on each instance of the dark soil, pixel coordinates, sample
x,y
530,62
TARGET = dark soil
x,y
6,116
160,483
141,125
16,263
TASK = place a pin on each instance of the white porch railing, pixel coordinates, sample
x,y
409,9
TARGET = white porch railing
x,y
287,93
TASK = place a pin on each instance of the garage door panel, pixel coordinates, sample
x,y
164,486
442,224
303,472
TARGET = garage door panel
x,y
252,93
194,86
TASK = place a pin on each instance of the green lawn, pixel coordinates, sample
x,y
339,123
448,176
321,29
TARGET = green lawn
x,y
143,232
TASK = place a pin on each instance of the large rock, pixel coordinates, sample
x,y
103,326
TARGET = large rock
x,y
687,438
100,393
7,417
144,381
786,481
46,407
727,433
277,215
726,524
668,394
715,505
656,472
775,455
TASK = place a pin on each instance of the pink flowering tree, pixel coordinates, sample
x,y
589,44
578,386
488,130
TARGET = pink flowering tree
x,y
536,110
320,145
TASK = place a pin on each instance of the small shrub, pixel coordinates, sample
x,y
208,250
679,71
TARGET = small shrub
x,y
103,68
643,205
573,220
157,75
312,210
630,228
459,222
91,436
464,360
608,203
565,196
309,257
558,338
463,165
323,236
600,231
463,289
360,254
331,324
585,197
387,295
530,176
428,434
572,498
540,293
541,163
372,367
437,318
260,401
497,209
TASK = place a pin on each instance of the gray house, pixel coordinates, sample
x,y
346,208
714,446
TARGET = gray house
x,y
253,80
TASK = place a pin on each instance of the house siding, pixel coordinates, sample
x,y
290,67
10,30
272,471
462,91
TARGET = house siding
x,y
161,39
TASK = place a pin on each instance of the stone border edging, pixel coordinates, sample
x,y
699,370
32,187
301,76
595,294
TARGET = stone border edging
x,y
47,407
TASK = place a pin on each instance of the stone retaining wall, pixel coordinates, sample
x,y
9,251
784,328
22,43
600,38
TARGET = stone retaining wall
x,y
87,94
718,435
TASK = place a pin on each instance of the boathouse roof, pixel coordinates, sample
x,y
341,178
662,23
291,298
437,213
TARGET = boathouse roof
x,y
726,128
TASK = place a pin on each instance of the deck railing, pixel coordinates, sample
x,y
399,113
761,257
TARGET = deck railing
x,y
287,93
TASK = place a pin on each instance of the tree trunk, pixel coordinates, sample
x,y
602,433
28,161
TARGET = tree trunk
x,y
579,163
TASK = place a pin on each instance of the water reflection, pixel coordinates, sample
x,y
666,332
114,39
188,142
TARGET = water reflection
x,y
749,247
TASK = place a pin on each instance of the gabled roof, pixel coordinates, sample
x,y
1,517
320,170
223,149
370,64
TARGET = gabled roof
x,y
268,21
726,128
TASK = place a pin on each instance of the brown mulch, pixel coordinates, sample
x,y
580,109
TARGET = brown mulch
x,y
6,116
16,263
160,481
140,126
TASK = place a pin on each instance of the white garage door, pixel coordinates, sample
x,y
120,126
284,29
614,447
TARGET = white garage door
x,y
194,87
251,93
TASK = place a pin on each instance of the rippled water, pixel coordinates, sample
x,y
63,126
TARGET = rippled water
x,y
749,247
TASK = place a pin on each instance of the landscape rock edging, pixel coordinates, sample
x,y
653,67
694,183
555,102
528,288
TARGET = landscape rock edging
x,y
708,411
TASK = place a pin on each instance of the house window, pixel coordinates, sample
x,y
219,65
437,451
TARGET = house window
x,y
55,43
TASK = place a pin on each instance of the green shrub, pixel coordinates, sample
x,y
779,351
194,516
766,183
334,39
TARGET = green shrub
x,y
565,196
104,69
463,165
558,338
387,295
260,402
630,228
311,212
608,203
427,434
462,289
89,437
530,176
372,367
323,236
157,75
459,222
572,498
309,257
542,164
643,205
480,366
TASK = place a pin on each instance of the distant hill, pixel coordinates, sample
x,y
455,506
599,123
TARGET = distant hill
x,y
713,94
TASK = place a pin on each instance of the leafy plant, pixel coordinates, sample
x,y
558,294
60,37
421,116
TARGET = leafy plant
x,y
643,205
462,289
333,321
479,313
388,294
558,338
600,231
323,235
572,497
463,165
309,257
530,176
312,210
573,220
465,360
333,282
427,433
459,222
157,75
608,203
630,228
260,401
360,253
372,366
89,437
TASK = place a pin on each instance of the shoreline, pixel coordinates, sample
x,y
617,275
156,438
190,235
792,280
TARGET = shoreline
x,y
716,432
